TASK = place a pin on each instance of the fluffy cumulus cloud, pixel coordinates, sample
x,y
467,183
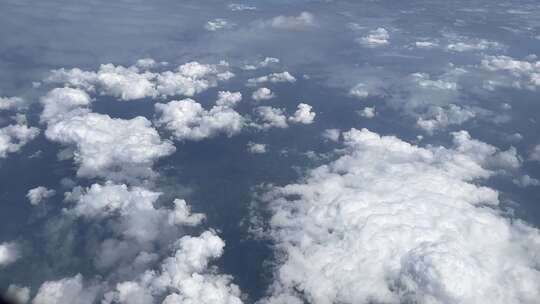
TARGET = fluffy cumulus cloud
x,y
519,73
62,103
303,114
331,134
39,194
271,118
273,78
218,24
437,117
375,38
110,147
391,222
66,290
14,137
303,20
262,94
13,103
268,61
256,148
188,120
17,294
136,82
10,252
535,154
367,112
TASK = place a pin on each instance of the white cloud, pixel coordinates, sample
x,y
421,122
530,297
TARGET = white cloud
x,y
256,148
437,118
303,114
331,134
535,154
13,103
110,147
425,44
359,90
263,94
391,222
375,38
521,73
14,137
479,45
39,194
262,64
17,294
66,290
129,83
182,278
526,181
240,7
188,120
62,103
367,112
10,252
303,20
218,24
273,78
271,117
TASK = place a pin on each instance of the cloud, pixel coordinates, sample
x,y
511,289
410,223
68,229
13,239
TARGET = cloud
x,y
66,290
17,294
273,78
188,120
375,38
535,154
39,194
255,148
13,103
130,83
14,137
10,252
62,103
262,94
268,61
391,222
218,24
303,114
110,147
426,44
271,117
367,112
479,45
240,7
521,73
331,134
303,20
526,181
437,118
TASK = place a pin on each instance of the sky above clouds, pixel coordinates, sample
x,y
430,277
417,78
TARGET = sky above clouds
x,y
269,152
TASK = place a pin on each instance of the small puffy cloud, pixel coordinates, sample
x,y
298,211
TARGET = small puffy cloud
x,y
182,215
10,252
39,194
17,294
479,45
13,103
218,24
389,222
271,117
437,118
273,78
66,290
367,112
303,114
303,20
182,278
426,44
526,181
110,147
126,83
535,154
360,90
240,7
188,120
146,63
61,103
262,64
331,134
375,38
256,148
521,73
263,94
14,137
